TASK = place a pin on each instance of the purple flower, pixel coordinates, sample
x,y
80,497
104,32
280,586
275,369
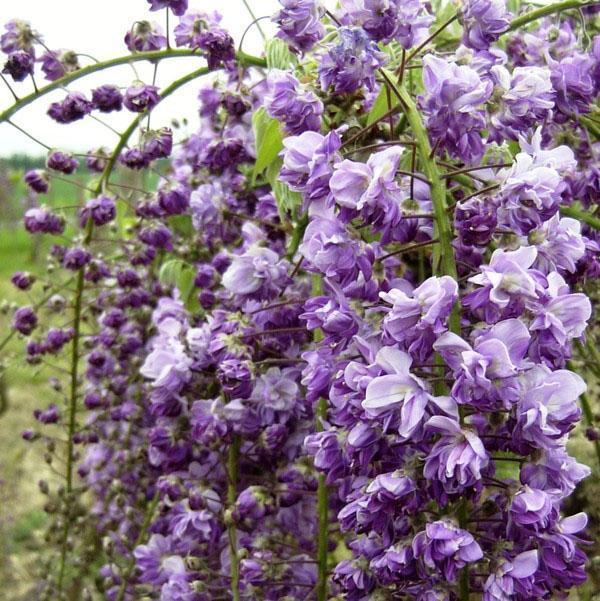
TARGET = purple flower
x,y
457,458
299,23
158,236
452,100
158,560
397,389
22,280
174,200
445,547
107,98
505,279
18,36
62,161
75,106
101,210
134,158
484,21
417,317
548,409
37,180
327,453
497,356
19,65
351,64
575,87
368,185
385,20
532,508
526,98
235,377
41,220
259,271
97,159
50,415
333,318
308,164
275,391
57,63
252,503
145,36
25,320
328,250
191,27
512,577
140,97
177,6
75,258
299,112
219,48
475,221
530,193
158,144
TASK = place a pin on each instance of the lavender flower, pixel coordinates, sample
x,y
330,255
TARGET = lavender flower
x,y
145,36
351,64
299,112
299,23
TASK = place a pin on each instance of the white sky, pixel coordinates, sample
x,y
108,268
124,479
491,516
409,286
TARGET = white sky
x,y
98,28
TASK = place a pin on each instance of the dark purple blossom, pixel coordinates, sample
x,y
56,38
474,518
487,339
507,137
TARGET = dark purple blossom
x,y
25,320
140,97
37,180
100,210
75,106
107,98
19,65
62,161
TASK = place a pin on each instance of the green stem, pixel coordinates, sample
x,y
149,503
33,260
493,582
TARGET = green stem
x,y
544,11
150,509
322,491
581,215
297,235
443,253
74,371
232,472
242,57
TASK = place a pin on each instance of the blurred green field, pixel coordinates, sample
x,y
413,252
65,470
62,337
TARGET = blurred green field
x,y
25,387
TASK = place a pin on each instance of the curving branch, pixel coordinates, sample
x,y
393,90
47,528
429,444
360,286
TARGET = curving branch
x,y
155,55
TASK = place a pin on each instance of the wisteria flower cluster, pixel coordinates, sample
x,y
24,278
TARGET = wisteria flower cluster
x,y
331,355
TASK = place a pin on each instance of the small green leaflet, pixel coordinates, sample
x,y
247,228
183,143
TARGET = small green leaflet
x,y
278,54
178,274
381,106
286,199
267,134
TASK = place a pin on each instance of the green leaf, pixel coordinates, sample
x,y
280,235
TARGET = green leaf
x,y
286,199
182,224
170,272
269,141
507,469
381,105
185,284
278,55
